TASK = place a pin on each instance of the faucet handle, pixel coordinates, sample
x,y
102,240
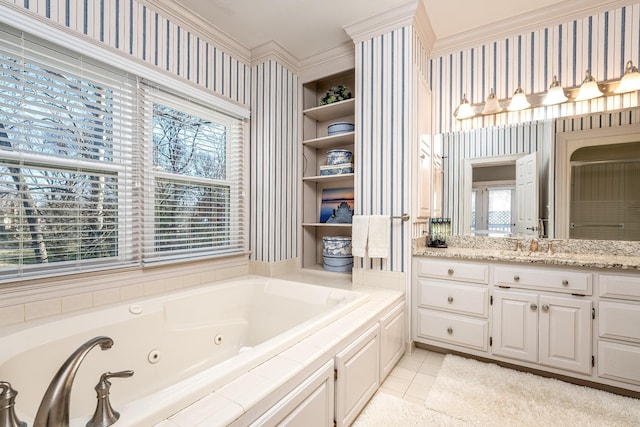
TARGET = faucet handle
x,y
104,414
8,417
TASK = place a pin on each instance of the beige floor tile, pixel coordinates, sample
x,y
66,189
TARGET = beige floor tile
x,y
412,399
409,363
417,390
396,384
404,373
423,379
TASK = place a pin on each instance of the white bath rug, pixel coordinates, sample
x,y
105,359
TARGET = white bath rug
x,y
386,410
488,395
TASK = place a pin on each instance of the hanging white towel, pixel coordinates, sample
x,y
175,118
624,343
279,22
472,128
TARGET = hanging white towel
x,y
379,236
359,235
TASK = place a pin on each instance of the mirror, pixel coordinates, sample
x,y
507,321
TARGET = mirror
x,y
485,191
591,151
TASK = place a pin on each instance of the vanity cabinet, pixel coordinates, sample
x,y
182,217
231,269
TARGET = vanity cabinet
x,y
452,303
550,330
316,142
619,328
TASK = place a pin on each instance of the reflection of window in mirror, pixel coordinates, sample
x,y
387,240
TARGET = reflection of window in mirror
x,y
604,195
492,208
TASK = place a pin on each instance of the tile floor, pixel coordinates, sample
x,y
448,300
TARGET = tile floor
x,y
413,376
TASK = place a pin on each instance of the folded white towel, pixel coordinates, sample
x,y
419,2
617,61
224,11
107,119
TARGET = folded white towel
x,y
379,236
359,235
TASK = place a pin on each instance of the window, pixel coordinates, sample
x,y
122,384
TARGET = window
x,y
492,207
98,170
194,156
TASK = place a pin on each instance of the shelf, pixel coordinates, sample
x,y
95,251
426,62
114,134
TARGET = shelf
x,y
330,141
324,224
331,111
328,178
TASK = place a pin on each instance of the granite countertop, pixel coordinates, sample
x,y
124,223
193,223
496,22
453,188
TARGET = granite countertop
x,y
574,253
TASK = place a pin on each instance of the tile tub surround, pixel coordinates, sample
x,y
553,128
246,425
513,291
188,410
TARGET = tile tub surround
x,y
608,254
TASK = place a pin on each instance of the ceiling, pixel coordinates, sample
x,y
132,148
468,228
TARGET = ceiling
x,y
307,27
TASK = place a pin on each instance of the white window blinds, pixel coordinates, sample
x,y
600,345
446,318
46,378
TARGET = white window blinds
x,y
66,125
99,170
194,181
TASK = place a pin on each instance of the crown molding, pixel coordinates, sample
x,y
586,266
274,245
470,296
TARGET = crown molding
x,y
331,61
185,17
552,15
382,23
274,51
424,29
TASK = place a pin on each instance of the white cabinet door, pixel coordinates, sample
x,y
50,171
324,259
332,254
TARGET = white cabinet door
x,y
515,325
309,405
358,375
565,333
391,339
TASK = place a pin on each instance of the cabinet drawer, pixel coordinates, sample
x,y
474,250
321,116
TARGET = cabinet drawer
x,y
570,282
625,287
446,269
619,321
619,362
465,299
460,330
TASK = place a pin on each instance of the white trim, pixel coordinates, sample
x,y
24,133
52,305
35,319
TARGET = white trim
x,y
275,51
332,61
559,13
17,18
382,23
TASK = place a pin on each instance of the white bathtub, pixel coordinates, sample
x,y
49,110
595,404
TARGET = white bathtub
x,y
181,346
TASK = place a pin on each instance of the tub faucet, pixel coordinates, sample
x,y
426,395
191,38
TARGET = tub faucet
x,y
54,408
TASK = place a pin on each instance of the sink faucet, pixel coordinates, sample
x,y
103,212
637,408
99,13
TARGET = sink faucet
x,y
54,408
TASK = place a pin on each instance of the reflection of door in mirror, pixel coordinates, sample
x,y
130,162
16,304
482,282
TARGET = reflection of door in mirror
x,y
526,214
597,191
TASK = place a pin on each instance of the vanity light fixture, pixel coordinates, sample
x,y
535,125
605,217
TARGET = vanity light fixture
x,y
555,94
492,105
630,80
464,110
589,88
518,101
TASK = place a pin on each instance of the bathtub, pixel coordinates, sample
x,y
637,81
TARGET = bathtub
x,y
181,346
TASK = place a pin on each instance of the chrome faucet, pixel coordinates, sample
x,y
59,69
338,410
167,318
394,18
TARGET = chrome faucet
x,y
54,408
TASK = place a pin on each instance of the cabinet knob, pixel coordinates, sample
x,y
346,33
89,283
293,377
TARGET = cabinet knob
x,y
545,308
534,307
565,283
450,299
450,271
516,278
450,330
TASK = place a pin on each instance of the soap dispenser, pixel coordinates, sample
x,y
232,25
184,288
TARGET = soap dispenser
x,y
8,416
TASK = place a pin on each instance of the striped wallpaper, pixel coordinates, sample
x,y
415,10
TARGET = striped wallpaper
x,y
134,29
601,43
274,163
386,81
